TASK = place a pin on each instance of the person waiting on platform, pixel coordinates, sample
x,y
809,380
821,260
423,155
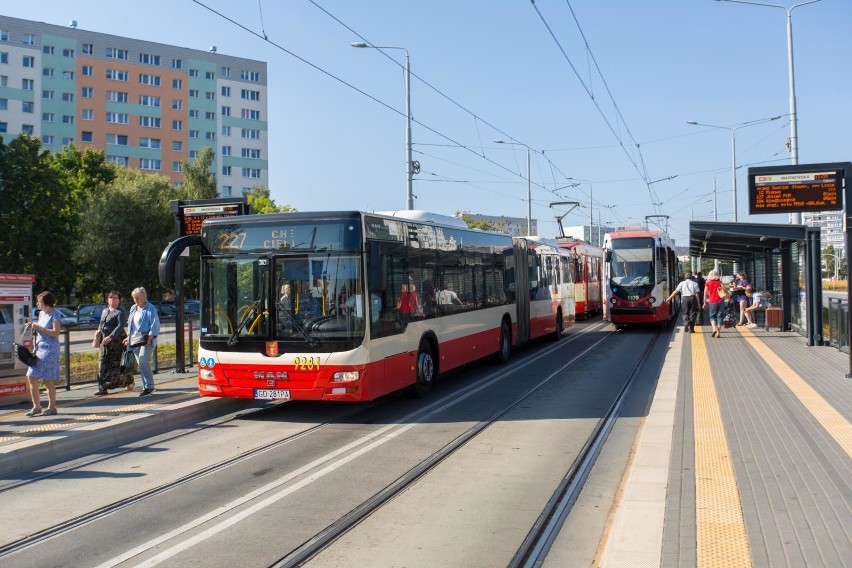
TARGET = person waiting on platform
x,y
688,288
759,301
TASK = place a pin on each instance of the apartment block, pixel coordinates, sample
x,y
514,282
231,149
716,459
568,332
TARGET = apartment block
x,y
831,231
147,105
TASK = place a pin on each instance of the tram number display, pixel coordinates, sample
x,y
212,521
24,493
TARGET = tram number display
x,y
271,394
795,191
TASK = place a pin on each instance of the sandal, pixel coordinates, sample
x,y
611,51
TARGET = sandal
x,y
34,412
49,412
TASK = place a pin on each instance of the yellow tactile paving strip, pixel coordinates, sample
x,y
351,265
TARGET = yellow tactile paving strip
x,y
720,528
834,423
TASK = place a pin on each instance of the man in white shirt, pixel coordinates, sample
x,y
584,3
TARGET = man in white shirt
x,y
447,297
688,288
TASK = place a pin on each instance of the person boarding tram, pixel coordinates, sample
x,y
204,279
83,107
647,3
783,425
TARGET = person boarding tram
x,y
690,292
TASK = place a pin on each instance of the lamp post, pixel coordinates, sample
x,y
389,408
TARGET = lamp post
x,y
795,218
733,130
529,184
409,164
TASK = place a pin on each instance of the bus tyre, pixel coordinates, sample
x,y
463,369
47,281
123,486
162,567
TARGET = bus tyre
x,y
505,348
425,370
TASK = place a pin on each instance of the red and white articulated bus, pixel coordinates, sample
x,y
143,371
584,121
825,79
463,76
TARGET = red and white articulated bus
x,y
350,306
588,275
641,270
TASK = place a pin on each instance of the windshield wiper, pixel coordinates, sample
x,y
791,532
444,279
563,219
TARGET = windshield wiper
x,y
310,339
254,308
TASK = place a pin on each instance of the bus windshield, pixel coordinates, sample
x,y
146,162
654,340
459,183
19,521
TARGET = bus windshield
x,y
306,301
632,262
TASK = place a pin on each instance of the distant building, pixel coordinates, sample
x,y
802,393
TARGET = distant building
x,y
592,234
515,226
831,229
147,105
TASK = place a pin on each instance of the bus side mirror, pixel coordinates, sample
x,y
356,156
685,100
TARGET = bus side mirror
x,y
608,256
376,278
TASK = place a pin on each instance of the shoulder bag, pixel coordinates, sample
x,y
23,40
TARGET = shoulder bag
x,y
723,292
25,355
137,339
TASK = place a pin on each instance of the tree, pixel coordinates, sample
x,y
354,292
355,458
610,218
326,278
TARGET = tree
x,y
260,201
484,225
199,180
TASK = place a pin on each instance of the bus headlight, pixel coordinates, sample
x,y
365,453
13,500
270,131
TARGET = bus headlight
x,y
345,376
206,374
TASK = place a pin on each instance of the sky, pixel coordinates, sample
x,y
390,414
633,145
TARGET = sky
x,y
599,92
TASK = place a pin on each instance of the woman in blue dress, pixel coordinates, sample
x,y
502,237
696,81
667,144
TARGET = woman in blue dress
x,y
46,334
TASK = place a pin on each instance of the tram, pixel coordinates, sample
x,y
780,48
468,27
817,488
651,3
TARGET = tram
x,y
640,271
588,262
349,306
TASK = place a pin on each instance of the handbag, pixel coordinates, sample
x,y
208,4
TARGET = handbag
x,y
137,339
98,339
723,293
128,362
25,355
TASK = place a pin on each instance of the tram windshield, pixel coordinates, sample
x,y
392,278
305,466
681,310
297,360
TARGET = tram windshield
x,y
632,262
313,301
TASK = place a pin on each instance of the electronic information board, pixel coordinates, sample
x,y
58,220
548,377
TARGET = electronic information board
x,y
790,192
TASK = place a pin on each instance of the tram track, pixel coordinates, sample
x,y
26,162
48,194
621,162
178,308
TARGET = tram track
x,y
328,536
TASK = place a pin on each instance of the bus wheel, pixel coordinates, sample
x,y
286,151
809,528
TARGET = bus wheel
x,y
505,349
557,334
425,370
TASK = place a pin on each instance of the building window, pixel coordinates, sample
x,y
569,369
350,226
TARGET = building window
x,y
27,106
88,48
176,167
149,164
29,39
250,95
116,139
250,76
253,173
149,121
177,104
226,111
210,135
116,96
193,113
115,53
225,71
193,93
4,80
4,57
148,100
48,49
67,52
27,84
149,59
149,143
226,150
177,63
4,35
68,97
47,94
68,75
226,91
119,160
47,140
28,128
88,70
4,104
88,114
87,92
4,126
210,95
145,79
193,134
116,74
193,72
209,75
29,61
210,115
177,84
177,146
193,154
86,136
47,72
250,114
47,117
177,125
253,153
226,131
226,170
67,140
226,190
67,119
116,117
251,133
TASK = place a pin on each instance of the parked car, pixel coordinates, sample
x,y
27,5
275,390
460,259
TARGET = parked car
x,y
90,311
166,311
71,320
192,307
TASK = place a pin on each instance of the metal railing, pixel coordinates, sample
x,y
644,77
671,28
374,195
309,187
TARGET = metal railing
x,y
836,319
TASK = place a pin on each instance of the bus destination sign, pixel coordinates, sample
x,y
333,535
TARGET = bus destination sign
x,y
791,192
192,217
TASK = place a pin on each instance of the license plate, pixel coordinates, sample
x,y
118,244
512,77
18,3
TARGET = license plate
x,y
271,394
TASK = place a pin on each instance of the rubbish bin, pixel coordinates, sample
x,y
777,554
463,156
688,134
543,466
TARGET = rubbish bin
x,y
775,318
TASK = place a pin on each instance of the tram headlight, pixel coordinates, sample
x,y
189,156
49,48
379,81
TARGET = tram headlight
x,y
652,300
345,376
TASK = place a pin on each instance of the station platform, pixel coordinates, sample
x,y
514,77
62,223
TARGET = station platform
x,y
745,457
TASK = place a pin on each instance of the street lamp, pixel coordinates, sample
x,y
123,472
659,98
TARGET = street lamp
x,y
733,130
409,164
529,184
795,218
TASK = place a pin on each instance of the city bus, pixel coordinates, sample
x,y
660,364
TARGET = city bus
x,y
641,269
350,306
